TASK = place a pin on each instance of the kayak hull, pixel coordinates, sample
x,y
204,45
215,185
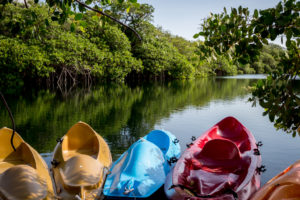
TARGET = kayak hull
x,y
142,169
220,164
23,173
286,185
80,163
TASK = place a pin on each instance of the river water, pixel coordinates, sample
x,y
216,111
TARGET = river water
x,y
123,113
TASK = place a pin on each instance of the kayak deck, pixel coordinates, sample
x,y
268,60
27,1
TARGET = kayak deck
x,y
80,161
24,174
141,171
219,163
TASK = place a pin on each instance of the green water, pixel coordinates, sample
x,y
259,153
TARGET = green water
x,y
122,113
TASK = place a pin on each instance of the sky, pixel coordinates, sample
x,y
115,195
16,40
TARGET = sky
x,y
183,17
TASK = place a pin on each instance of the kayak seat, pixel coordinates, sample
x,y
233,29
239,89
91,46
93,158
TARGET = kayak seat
x,y
80,140
231,128
22,182
22,155
81,170
160,139
219,155
244,146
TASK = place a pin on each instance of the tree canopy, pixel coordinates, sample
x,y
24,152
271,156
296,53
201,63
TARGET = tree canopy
x,y
240,36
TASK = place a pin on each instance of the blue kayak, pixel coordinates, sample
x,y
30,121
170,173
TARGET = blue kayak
x,y
142,169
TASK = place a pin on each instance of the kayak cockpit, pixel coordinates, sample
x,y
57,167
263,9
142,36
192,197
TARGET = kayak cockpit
x,y
76,143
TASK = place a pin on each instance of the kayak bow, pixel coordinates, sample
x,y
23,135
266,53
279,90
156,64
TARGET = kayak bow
x,y
142,169
285,185
23,173
220,164
80,162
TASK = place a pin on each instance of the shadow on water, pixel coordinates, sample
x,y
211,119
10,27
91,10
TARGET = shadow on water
x,y
119,112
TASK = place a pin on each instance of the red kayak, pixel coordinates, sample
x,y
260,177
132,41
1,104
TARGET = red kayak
x,y
223,163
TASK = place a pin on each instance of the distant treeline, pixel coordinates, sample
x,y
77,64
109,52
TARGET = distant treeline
x,y
35,48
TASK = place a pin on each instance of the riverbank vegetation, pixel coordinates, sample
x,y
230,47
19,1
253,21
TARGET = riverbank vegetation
x,y
64,43
36,48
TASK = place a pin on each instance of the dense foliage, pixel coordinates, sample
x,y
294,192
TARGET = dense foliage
x,y
35,49
32,50
240,37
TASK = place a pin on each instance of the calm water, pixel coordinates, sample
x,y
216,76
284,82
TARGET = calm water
x,y
122,114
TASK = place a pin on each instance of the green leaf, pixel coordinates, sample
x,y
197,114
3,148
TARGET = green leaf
x,y
240,9
88,2
265,41
83,24
201,33
47,22
81,8
259,28
72,27
255,13
78,16
196,35
36,1
296,31
268,19
234,11
223,28
279,7
133,1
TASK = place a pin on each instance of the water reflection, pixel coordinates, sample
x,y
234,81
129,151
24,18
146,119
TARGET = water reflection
x,y
120,113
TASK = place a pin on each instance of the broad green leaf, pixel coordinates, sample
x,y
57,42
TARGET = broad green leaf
x,y
201,33
196,35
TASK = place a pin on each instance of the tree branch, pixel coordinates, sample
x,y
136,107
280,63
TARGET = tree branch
x,y
110,17
25,2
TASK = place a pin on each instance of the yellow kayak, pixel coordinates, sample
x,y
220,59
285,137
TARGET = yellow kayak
x,y
23,173
80,163
285,185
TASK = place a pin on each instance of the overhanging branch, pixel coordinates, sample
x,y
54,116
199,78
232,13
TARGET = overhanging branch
x,y
110,17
